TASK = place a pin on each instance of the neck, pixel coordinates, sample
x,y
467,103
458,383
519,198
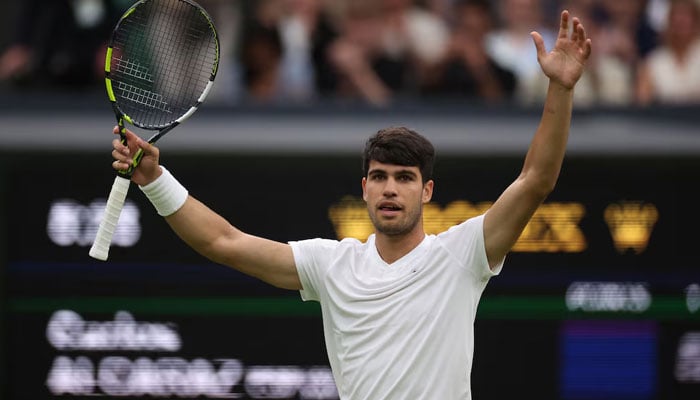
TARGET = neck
x,y
393,247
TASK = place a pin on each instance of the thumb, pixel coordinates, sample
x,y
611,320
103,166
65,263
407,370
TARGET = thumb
x,y
539,45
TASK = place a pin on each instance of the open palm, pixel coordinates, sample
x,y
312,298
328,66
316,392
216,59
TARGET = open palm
x,y
565,63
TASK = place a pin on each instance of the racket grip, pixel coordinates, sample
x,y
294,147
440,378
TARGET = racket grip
x,y
115,203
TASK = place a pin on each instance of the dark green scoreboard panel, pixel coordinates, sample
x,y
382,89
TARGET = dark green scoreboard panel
x,y
599,300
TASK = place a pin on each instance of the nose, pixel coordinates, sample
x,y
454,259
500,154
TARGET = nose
x,y
390,188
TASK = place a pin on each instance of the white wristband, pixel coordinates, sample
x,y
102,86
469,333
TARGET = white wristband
x,y
165,193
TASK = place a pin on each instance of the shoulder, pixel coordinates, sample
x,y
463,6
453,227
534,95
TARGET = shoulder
x,y
463,240
469,227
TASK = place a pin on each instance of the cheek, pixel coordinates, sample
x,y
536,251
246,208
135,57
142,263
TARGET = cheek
x,y
370,192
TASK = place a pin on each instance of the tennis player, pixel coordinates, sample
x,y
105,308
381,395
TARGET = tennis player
x,y
398,310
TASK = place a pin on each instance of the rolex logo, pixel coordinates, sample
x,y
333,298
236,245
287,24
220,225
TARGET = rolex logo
x,y
631,224
350,219
553,228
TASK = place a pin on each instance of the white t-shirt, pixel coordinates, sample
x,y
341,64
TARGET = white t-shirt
x,y
404,330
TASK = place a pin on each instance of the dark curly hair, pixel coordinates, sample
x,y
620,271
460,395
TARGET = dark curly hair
x,y
400,146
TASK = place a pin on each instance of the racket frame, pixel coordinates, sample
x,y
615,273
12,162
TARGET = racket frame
x,y
120,187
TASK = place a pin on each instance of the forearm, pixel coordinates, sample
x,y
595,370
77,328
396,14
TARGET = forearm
x,y
510,213
546,153
212,236
202,229
195,223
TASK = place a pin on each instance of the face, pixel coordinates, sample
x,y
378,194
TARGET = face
x,y
395,195
682,22
474,20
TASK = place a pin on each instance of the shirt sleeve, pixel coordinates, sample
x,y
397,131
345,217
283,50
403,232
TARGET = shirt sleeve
x,y
312,258
466,242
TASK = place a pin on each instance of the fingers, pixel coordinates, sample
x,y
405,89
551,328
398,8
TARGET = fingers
x,y
583,41
539,45
564,25
124,154
121,155
576,31
587,48
134,141
580,37
130,136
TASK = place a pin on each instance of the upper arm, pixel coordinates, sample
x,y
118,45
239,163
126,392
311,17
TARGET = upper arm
x,y
507,218
215,238
267,260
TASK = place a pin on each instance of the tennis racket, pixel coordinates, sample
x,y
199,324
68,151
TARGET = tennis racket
x,y
162,58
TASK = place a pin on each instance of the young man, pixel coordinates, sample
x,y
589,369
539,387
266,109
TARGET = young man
x,y
398,310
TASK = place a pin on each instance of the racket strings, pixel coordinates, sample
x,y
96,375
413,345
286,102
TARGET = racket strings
x,y
134,69
164,55
184,54
143,97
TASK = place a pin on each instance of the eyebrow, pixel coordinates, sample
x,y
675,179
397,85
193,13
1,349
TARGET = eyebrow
x,y
396,173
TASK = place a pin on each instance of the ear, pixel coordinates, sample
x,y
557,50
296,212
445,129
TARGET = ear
x,y
364,189
428,191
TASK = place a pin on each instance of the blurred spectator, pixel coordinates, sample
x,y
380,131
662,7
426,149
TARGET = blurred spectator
x,y
60,42
228,18
387,49
413,33
307,33
364,71
284,51
609,79
657,14
670,74
468,71
626,29
261,56
441,8
511,46
297,51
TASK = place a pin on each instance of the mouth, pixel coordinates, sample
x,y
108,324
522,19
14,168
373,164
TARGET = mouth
x,y
389,208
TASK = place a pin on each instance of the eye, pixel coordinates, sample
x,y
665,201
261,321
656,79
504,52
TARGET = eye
x,y
377,177
405,178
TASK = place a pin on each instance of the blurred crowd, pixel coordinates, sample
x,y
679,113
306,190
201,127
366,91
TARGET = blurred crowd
x,y
382,51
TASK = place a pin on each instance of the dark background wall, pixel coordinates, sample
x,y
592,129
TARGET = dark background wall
x,y
572,317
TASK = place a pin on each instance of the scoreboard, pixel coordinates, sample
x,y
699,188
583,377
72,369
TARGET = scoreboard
x,y
600,298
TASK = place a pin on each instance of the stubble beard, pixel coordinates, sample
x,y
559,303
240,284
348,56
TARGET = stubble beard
x,y
396,227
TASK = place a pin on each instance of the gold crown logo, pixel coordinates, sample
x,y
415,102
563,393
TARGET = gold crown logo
x,y
631,224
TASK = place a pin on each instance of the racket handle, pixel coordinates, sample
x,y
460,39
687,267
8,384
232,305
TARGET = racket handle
x,y
115,203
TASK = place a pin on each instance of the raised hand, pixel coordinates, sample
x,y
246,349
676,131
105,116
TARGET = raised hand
x,y
148,169
565,63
